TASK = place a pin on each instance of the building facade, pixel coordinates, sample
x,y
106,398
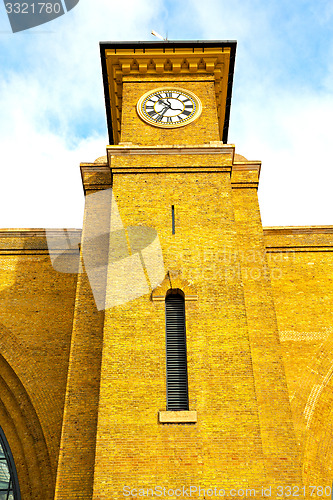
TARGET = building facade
x,y
174,346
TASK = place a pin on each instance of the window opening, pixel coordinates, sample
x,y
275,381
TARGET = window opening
x,y
176,359
9,487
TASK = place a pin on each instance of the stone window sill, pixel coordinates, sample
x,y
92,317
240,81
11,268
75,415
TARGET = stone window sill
x,y
177,417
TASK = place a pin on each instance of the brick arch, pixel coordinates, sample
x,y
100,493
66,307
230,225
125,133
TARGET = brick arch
x,y
318,455
174,283
24,434
175,291
312,408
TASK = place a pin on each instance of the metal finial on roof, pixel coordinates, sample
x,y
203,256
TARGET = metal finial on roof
x,y
159,36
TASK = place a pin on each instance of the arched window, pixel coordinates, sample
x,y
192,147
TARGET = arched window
x,y
176,362
9,488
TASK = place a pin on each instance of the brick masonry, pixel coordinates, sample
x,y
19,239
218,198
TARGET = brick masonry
x,y
83,388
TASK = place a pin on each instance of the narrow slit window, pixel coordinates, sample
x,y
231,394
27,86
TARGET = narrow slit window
x,y
176,359
9,487
173,219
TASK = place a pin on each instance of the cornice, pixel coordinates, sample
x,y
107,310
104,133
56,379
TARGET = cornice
x,y
282,239
290,230
120,60
95,177
122,150
33,232
214,151
297,249
246,166
245,174
211,157
34,241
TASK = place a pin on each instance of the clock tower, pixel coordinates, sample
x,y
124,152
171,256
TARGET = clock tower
x,y
176,385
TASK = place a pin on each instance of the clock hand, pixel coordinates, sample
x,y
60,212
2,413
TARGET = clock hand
x,y
163,103
173,109
164,110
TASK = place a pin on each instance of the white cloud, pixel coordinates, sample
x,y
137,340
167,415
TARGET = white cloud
x,y
280,114
282,104
291,135
57,87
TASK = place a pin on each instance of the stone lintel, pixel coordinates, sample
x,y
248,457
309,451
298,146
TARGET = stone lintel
x,y
177,417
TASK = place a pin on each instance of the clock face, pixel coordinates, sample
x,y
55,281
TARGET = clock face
x,y
169,107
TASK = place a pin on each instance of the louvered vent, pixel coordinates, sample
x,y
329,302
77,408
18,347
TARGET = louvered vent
x,y
177,389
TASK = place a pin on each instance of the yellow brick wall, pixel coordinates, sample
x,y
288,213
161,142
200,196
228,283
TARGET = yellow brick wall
x,y
301,263
244,435
36,307
223,447
278,439
82,388
78,440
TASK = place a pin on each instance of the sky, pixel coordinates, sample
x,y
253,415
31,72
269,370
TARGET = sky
x,y
52,114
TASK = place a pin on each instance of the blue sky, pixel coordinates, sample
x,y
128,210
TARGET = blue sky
x,y
52,113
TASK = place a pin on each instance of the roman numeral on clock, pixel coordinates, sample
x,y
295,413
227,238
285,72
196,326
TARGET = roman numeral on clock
x,y
186,113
